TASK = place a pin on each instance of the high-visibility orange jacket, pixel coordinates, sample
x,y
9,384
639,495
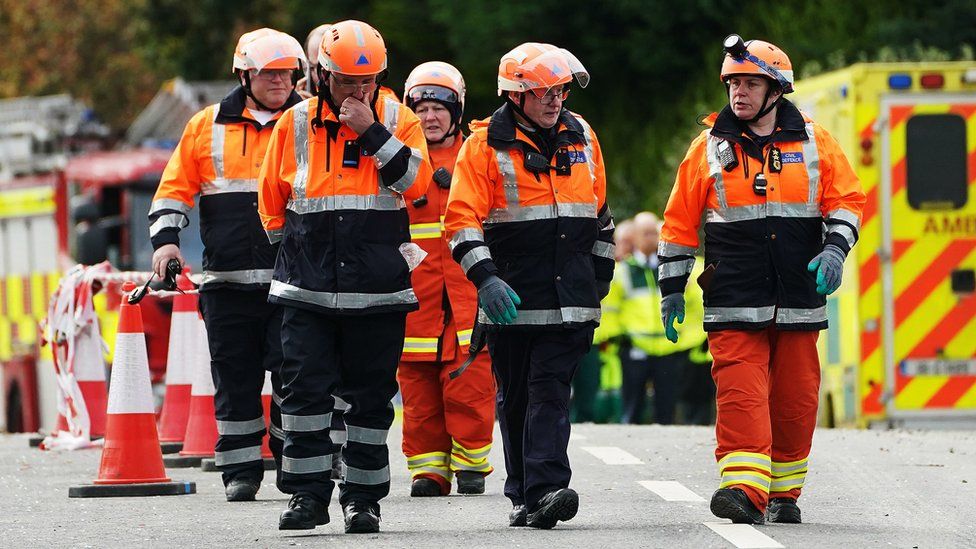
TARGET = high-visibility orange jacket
x,y
438,281
219,157
758,247
549,233
338,211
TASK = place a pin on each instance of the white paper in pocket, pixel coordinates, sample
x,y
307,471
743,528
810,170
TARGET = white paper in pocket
x,y
413,254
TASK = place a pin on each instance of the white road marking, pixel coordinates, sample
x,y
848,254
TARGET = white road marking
x,y
743,536
611,455
670,490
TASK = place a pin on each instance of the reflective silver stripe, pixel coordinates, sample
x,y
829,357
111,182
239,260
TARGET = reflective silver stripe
x,y
792,209
366,477
846,216
739,459
306,424
337,436
548,211
391,115
546,317
801,316
365,435
739,314
388,202
357,31
341,300
432,469
340,404
387,151
670,249
168,221
603,249
298,187
606,219
744,477
506,169
252,276
439,459
299,466
736,213
275,235
475,255
715,169
276,398
461,465
466,235
480,453
221,186
277,432
786,484
226,427
781,470
588,148
675,268
170,204
217,144
845,232
241,455
413,167
812,159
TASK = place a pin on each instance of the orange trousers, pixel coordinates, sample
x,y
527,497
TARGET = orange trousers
x,y
447,423
767,390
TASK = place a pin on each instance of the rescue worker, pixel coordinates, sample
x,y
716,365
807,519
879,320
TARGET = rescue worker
x,y
645,355
218,158
309,85
782,209
332,190
529,224
447,425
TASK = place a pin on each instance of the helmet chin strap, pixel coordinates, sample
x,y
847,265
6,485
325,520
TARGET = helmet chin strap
x,y
766,108
519,109
455,128
249,93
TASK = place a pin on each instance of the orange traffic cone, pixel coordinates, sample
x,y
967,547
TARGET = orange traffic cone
x,y
210,465
201,427
132,464
179,375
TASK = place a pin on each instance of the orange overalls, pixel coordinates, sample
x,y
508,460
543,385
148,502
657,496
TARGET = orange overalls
x,y
447,424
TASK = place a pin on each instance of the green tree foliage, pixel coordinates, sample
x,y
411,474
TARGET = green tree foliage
x,y
654,64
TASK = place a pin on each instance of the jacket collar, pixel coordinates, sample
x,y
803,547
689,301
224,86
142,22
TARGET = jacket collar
x,y
232,109
502,132
790,127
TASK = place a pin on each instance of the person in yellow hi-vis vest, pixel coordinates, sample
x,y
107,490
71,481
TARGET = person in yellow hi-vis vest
x,y
645,353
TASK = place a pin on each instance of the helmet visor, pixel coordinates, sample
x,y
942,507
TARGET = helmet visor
x,y
274,52
551,69
431,92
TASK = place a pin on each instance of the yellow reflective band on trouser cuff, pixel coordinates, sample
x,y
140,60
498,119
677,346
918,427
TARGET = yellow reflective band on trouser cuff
x,y
460,464
473,454
749,478
745,459
226,427
431,458
241,455
784,468
464,337
366,477
305,424
421,231
420,345
365,435
785,484
304,466
430,470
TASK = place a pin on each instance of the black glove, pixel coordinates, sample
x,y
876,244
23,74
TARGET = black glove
x,y
602,288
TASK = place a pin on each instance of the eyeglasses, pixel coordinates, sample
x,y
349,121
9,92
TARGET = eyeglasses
x,y
552,94
271,75
352,87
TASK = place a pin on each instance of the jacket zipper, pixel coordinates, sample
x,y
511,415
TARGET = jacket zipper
x,y
244,144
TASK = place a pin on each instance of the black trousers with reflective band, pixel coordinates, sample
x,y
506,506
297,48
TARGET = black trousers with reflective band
x,y
355,357
534,372
244,335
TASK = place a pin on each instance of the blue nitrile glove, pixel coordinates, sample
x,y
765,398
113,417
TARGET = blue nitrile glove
x,y
672,307
829,265
498,300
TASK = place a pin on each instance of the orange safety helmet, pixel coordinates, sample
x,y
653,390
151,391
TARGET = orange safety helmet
x,y
440,82
268,49
757,57
353,48
539,67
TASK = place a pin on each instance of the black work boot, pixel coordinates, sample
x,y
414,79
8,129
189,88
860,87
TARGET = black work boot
x,y
734,504
470,482
517,516
241,489
361,517
555,506
424,488
304,512
783,510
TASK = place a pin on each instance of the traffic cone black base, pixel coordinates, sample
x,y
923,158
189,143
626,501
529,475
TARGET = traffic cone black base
x,y
182,462
170,447
129,490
